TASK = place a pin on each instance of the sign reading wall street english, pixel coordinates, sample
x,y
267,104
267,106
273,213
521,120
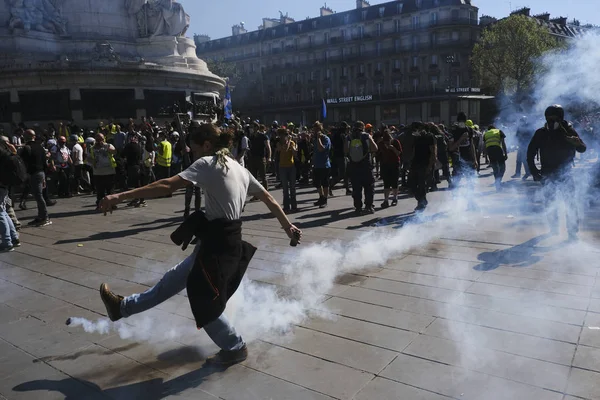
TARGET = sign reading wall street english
x,y
463,90
351,99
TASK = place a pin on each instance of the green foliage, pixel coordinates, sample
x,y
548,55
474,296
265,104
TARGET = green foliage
x,y
224,69
506,59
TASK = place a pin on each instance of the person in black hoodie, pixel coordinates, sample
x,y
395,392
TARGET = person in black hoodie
x,y
557,143
214,271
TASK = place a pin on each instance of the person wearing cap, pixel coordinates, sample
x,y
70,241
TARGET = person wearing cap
x,y
77,158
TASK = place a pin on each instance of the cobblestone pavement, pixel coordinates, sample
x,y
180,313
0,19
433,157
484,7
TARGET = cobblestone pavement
x,y
482,305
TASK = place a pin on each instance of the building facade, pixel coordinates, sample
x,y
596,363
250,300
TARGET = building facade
x,y
397,62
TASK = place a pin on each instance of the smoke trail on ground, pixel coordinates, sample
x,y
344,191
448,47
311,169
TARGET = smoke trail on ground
x,y
257,310
139,328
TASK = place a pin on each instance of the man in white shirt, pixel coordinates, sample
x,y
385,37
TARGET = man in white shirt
x,y
223,257
77,158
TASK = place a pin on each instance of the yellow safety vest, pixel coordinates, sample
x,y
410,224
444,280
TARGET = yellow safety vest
x,y
492,138
111,159
164,159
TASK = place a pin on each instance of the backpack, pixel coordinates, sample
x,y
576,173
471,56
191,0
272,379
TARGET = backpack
x,y
12,169
359,148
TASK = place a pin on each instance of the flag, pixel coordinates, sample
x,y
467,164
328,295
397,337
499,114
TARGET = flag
x,y
324,109
227,102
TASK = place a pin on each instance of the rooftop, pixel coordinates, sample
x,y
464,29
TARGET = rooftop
x,y
285,25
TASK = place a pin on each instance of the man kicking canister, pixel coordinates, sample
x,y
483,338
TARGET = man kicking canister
x,y
214,271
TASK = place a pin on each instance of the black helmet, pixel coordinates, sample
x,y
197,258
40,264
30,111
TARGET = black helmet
x,y
555,110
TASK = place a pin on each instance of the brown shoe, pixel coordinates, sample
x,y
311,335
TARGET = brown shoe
x,y
112,302
225,358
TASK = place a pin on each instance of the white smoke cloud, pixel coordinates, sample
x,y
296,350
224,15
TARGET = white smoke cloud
x,y
258,310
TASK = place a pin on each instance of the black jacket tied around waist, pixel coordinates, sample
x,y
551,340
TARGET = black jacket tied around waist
x,y
219,266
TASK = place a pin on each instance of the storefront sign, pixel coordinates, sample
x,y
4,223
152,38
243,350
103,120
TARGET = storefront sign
x,y
463,90
351,99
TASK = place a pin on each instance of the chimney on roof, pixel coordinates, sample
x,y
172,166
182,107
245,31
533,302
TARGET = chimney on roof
x,y
326,10
201,39
543,17
559,21
522,11
362,4
486,20
238,29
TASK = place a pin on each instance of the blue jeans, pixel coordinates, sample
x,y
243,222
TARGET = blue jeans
x,y
8,233
174,281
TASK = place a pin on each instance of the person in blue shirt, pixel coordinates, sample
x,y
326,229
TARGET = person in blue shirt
x,y
321,163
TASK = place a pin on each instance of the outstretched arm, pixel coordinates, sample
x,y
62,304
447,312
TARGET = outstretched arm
x,y
164,187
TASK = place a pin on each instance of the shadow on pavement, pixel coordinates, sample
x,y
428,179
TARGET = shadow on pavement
x,y
330,216
152,389
519,256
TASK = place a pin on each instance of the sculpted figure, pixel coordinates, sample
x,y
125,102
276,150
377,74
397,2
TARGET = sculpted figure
x,y
159,17
37,15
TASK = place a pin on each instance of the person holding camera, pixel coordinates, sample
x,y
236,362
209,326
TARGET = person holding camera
x,y
557,143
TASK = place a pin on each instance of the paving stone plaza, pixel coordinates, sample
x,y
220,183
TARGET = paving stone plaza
x,y
465,305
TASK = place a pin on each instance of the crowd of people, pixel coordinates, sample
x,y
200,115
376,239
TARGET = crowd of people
x,y
195,155
415,158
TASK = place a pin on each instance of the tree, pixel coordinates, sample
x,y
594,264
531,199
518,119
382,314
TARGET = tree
x,y
506,58
223,69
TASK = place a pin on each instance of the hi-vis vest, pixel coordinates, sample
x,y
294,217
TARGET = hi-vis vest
x,y
164,159
111,158
492,138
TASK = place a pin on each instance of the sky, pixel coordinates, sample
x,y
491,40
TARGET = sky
x,y
215,18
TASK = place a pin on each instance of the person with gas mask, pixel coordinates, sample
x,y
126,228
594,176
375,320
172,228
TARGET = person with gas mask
x,y
557,143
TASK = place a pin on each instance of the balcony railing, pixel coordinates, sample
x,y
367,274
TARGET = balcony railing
x,y
336,40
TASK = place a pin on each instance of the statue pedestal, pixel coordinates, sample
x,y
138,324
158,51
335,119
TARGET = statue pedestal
x,y
179,52
157,47
34,43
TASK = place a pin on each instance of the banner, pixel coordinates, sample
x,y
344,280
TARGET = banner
x,y
227,106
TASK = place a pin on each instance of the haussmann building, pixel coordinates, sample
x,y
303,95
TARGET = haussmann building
x,y
393,63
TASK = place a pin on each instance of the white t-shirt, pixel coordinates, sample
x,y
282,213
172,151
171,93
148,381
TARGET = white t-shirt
x,y
225,189
77,154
